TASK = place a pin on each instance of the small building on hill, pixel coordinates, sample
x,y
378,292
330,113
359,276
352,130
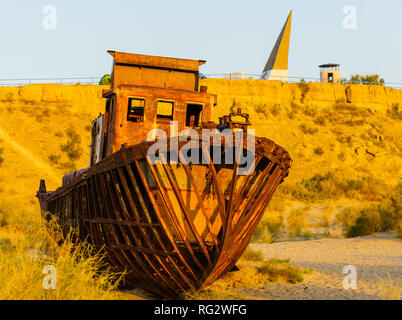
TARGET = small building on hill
x,y
330,73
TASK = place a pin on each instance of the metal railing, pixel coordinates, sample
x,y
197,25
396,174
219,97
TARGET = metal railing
x,y
293,79
61,80
230,76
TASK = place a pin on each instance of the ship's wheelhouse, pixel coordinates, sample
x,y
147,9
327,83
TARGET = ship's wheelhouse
x,y
149,92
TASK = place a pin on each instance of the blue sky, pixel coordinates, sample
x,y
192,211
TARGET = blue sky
x,y
231,35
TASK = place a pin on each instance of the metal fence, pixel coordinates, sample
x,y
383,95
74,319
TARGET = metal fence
x,y
293,79
61,80
230,76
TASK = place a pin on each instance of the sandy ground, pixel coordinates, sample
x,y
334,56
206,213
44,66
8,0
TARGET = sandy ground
x,y
373,256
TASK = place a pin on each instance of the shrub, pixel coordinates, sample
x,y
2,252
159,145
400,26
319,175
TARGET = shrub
x,y
394,112
373,79
275,109
363,221
269,229
341,156
345,139
318,151
297,223
386,216
252,255
39,118
54,158
1,158
326,216
106,79
366,224
46,113
308,130
320,120
3,219
315,183
294,107
304,88
73,145
69,166
277,268
261,109
262,234
58,134
352,122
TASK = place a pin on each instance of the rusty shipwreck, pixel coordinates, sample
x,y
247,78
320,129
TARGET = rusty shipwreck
x,y
173,226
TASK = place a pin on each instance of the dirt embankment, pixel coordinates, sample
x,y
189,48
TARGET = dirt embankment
x,y
325,127
318,95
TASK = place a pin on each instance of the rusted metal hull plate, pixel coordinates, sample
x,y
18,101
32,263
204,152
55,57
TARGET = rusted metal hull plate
x,y
173,227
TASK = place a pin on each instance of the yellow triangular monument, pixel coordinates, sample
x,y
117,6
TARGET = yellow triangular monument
x,y
276,67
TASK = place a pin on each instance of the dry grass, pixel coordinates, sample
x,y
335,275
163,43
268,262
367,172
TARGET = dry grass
x,y
333,186
255,273
270,228
306,129
296,222
366,220
277,268
252,255
17,221
81,272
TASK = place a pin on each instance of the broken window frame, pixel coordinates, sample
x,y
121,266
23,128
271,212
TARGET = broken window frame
x,y
199,116
131,116
163,118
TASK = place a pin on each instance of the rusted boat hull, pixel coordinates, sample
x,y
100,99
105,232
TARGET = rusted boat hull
x,y
173,227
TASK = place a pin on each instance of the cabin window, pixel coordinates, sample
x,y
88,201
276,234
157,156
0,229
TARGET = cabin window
x,y
164,110
193,115
136,109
